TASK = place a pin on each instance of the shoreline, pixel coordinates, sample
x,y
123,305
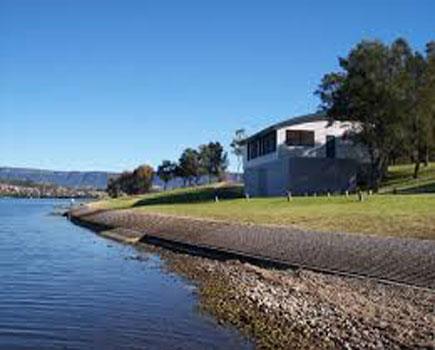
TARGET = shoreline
x,y
297,308
130,236
300,309
388,259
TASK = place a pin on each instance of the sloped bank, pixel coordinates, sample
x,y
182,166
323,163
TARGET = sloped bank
x,y
391,259
297,309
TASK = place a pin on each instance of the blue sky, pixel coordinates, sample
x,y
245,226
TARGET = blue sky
x,y
108,85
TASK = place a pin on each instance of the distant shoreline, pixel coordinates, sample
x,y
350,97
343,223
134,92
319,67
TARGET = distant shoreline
x,y
47,191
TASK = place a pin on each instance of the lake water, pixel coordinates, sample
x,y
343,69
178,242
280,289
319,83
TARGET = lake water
x,y
64,287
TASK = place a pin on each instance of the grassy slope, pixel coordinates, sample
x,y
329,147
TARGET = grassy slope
x,y
399,215
400,178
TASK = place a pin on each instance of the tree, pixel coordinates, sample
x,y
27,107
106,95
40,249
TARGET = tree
x,y
419,92
430,81
237,147
113,188
370,92
167,171
136,182
120,185
143,179
428,103
189,166
213,160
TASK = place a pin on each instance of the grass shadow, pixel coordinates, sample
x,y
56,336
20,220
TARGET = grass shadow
x,y
193,195
423,188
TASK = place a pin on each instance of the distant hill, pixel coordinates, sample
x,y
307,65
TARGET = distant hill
x,y
91,179
78,179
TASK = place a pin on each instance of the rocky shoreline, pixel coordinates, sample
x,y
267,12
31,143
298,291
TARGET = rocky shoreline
x,y
296,308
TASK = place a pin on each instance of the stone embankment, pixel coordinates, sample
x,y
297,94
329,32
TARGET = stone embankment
x,y
285,308
397,260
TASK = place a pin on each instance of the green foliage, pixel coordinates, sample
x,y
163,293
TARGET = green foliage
x,y
136,182
189,166
210,159
388,91
213,160
167,171
420,107
143,179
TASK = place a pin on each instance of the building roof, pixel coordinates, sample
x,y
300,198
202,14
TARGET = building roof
x,y
289,122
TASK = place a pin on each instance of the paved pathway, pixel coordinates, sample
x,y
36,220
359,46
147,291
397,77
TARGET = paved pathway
x,y
410,261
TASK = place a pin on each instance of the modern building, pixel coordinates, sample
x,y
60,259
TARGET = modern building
x,y
304,154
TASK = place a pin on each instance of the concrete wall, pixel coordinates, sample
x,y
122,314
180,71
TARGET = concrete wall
x,y
301,175
322,175
267,180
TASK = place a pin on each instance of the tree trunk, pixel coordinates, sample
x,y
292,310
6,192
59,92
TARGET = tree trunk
x,y
372,167
377,176
416,168
380,165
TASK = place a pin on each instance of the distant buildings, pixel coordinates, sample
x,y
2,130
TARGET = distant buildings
x,y
303,155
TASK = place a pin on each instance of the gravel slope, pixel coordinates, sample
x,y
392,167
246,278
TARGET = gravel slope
x,y
410,261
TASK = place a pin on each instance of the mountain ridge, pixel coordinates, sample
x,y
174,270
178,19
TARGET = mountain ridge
x,y
78,179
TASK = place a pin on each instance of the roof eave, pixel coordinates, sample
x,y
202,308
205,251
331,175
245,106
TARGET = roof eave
x,y
289,122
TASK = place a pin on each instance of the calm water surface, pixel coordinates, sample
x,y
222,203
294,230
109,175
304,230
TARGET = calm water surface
x,y
63,287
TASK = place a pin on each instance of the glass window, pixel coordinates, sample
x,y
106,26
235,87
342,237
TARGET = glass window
x,y
300,138
262,145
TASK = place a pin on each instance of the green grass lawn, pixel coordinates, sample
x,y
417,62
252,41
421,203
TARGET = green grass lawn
x,y
387,214
190,195
400,178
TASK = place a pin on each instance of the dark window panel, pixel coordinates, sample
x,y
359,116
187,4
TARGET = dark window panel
x,y
300,138
263,145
